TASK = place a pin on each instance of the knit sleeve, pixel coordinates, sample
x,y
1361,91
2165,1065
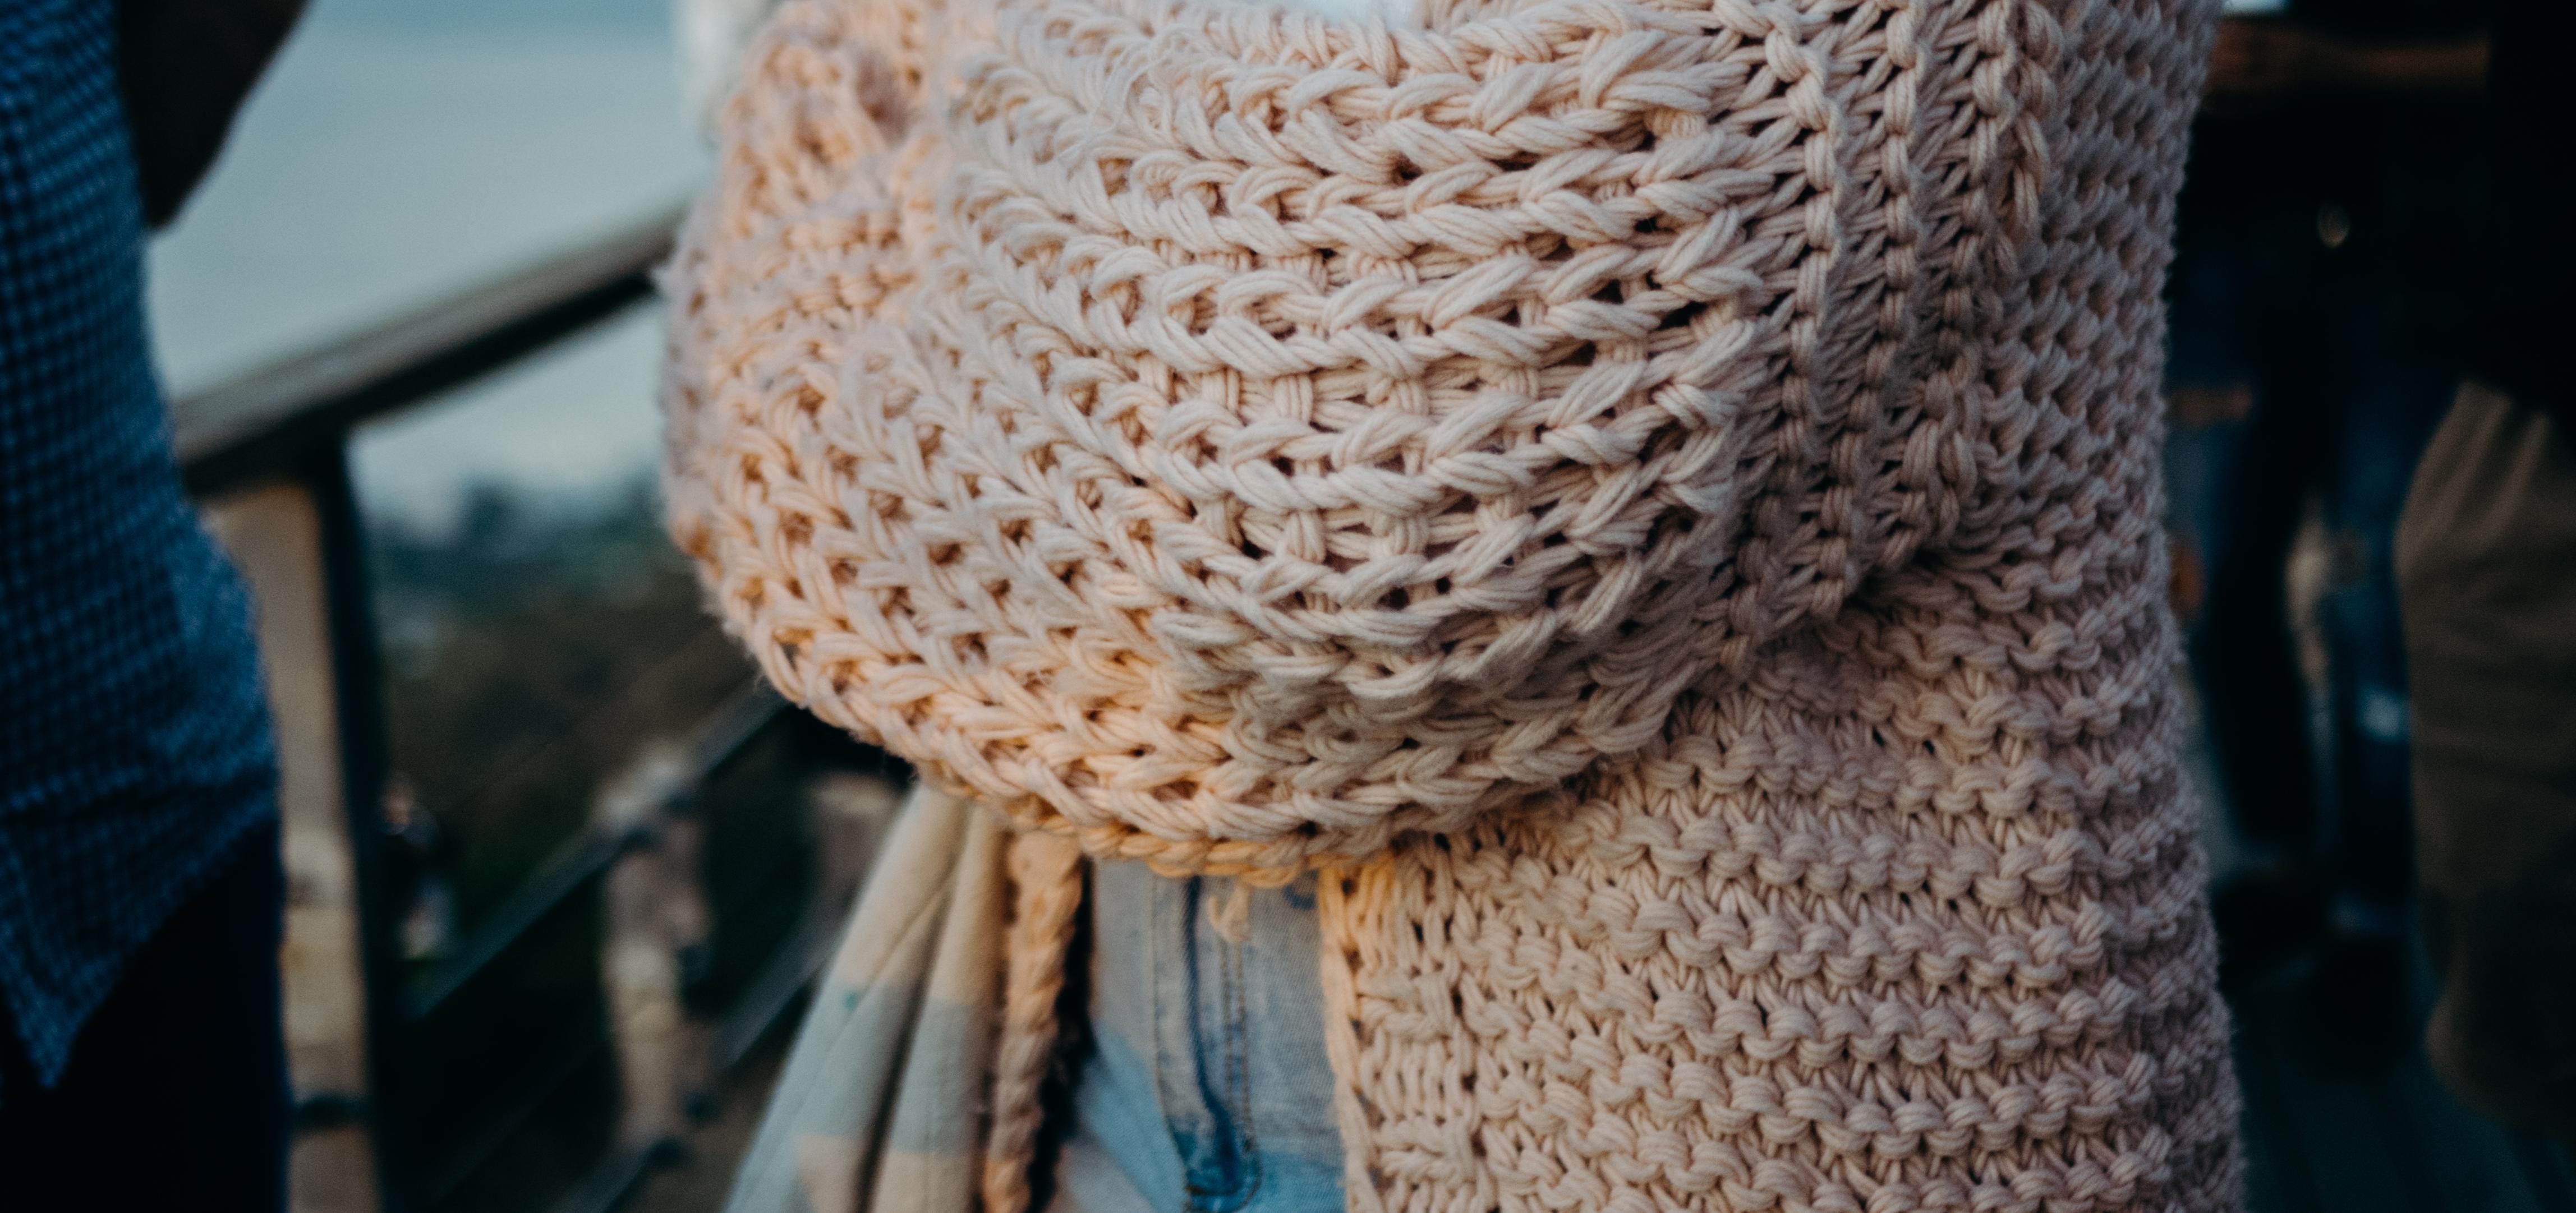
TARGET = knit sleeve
x,y
1233,437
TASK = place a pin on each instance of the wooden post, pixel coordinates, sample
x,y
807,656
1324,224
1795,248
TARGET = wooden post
x,y
274,535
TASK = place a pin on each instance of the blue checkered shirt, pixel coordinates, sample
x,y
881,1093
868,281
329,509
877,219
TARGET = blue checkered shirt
x,y
134,739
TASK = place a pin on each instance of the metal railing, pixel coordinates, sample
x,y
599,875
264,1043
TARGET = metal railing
x,y
275,444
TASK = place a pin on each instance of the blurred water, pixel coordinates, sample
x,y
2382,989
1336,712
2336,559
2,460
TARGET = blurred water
x,y
404,149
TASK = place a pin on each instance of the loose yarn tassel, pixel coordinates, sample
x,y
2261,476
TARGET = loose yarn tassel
x,y
1046,880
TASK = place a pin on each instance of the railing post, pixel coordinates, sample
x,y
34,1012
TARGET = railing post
x,y
358,694
273,533
298,543
657,916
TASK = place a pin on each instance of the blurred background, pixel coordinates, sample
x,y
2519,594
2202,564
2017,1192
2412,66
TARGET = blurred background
x,y
559,868
591,863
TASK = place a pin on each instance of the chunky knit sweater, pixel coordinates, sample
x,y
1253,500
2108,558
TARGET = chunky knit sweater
x,y
1656,501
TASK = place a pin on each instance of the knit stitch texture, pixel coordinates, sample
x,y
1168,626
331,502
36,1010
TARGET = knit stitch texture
x,y
1657,501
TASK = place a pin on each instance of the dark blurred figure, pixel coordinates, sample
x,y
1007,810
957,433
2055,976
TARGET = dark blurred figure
x,y
141,1058
2324,249
2486,561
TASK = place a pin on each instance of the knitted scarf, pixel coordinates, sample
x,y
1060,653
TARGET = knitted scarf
x,y
1655,500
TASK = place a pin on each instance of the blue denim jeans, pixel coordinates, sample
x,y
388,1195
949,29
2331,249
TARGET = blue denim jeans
x,y
1204,1087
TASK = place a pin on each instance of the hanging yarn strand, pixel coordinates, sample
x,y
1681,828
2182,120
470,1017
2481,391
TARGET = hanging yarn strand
x,y
1046,893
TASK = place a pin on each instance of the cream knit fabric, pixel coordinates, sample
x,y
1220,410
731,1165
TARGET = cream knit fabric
x,y
1657,500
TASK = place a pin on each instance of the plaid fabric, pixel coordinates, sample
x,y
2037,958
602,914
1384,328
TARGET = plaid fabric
x,y
134,743
873,1112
